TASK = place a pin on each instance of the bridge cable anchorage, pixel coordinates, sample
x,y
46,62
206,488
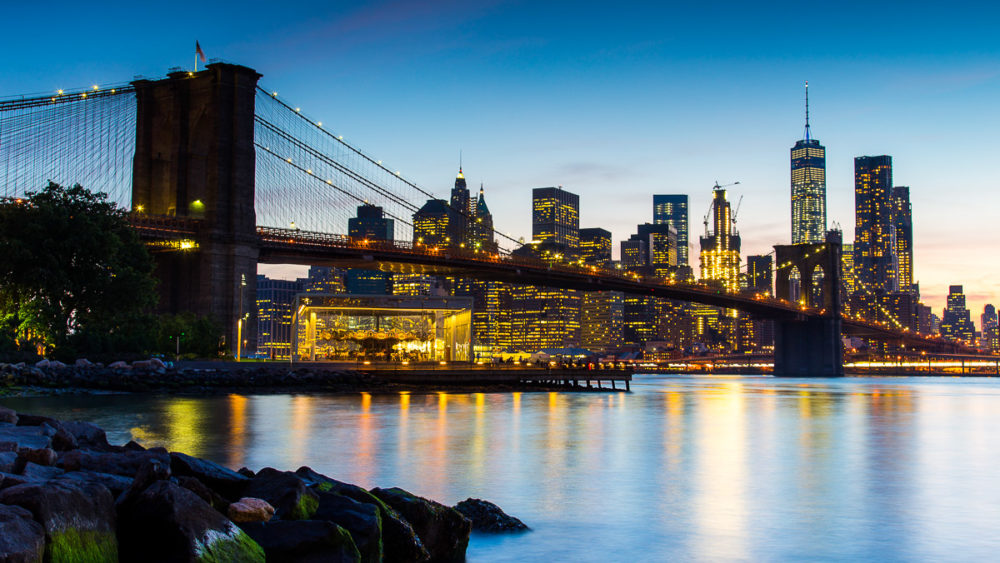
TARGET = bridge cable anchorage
x,y
316,127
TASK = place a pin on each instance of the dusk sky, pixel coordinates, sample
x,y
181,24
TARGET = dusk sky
x,y
613,101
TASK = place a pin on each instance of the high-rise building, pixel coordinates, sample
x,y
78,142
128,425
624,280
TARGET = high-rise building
x,y
430,224
956,323
324,279
652,250
482,229
990,329
595,247
847,273
369,225
555,216
544,317
460,213
672,209
902,220
808,187
760,276
601,318
875,261
720,248
275,309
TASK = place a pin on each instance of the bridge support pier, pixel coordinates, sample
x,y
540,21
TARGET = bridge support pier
x,y
808,348
195,158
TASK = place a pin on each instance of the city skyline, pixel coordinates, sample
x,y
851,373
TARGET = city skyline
x,y
670,103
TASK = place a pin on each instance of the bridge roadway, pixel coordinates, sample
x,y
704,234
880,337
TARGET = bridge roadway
x,y
293,246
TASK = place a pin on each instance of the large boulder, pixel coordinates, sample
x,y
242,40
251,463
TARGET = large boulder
x,y
208,495
14,437
443,530
286,492
225,481
304,541
488,517
7,460
361,520
168,523
7,415
399,541
21,538
249,509
78,518
125,463
114,483
87,435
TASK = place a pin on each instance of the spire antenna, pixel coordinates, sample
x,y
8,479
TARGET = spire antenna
x,y
807,111
460,157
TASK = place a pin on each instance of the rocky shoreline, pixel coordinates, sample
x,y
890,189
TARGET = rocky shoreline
x,y
68,495
153,375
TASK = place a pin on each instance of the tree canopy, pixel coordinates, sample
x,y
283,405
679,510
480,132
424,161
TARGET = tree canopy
x,y
74,275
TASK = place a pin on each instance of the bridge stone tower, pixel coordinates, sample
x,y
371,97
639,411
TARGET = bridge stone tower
x,y
810,347
195,158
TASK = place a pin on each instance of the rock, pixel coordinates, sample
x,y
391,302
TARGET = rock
x,y
249,509
114,483
488,517
443,530
56,364
14,437
42,364
7,460
7,415
12,480
304,541
63,441
87,435
246,472
119,365
361,520
41,456
167,523
36,420
125,463
399,541
134,446
21,538
208,495
35,472
286,492
78,518
227,482
151,471
83,363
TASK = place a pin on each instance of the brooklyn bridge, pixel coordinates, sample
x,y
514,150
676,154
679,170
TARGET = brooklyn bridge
x,y
215,168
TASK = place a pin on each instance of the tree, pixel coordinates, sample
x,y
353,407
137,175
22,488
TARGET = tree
x,y
74,275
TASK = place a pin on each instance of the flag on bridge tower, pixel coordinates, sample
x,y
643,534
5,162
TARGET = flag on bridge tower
x,y
198,54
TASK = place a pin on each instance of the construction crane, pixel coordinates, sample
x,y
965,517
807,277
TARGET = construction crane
x,y
718,187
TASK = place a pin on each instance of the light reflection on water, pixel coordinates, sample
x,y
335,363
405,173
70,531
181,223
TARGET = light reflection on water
x,y
705,468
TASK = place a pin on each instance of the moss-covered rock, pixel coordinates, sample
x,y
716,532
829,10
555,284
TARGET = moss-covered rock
x,y
78,518
286,492
443,530
361,520
234,545
21,538
303,540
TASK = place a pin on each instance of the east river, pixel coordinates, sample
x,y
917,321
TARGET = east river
x,y
683,468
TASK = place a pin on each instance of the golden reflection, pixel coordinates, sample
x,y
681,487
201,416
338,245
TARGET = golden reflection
x,y
478,460
721,504
403,438
301,428
183,428
556,438
237,429
364,470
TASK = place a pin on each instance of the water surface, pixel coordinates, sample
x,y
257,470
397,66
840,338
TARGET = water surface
x,y
683,468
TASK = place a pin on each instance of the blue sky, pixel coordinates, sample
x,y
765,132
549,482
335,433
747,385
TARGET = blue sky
x,y
613,101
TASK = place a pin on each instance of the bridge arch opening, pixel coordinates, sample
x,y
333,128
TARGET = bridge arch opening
x,y
816,291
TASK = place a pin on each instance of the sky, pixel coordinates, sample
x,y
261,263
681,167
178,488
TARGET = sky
x,y
612,101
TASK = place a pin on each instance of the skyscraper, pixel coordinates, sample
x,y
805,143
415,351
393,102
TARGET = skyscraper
x,y
482,229
760,278
956,324
874,245
808,188
902,220
673,209
595,247
460,213
989,326
372,225
555,216
720,249
431,224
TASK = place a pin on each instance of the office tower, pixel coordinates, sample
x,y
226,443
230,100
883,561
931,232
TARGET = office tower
x,y
874,245
595,247
370,225
990,328
720,248
808,187
275,304
760,278
430,224
672,209
482,229
555,217
956,323
544,317
902,220
651,251
847,273
460,213
601,318
324,279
